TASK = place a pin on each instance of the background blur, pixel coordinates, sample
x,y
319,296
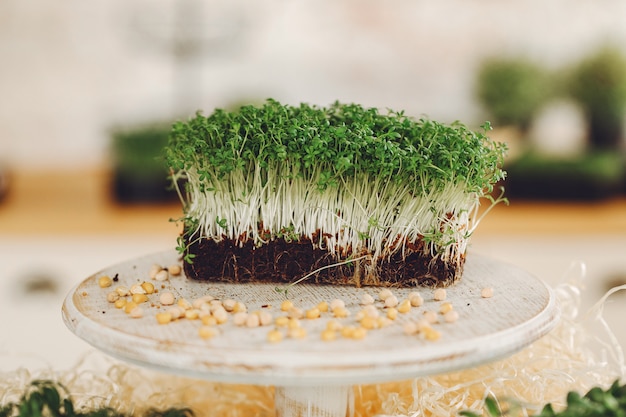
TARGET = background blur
x,y
87,90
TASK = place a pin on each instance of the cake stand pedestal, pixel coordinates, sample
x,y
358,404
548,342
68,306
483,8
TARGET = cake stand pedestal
x,y
314,377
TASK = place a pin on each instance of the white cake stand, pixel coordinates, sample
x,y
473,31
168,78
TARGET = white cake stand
x,y
314,377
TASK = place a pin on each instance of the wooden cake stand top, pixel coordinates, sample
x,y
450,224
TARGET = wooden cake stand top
x,y
521,310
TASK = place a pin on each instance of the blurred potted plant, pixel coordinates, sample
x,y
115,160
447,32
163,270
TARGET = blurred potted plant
x,y
598,83
512,91
139,172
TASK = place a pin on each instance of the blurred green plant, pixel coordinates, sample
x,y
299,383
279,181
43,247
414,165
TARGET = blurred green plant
x,y
47,398
512,90
139,169
598,83
597,402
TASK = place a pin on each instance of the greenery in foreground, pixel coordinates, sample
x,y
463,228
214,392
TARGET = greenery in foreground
x,y
46,398
365,177
598,402
49,398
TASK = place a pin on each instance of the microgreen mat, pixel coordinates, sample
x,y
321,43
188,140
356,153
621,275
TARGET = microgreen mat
x,y
364,177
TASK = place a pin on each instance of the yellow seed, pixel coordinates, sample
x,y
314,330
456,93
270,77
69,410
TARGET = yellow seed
x,y
155,269
209,320
192,314
328,335
139,298
136,312
341,312
163,318
384,294
293,323
240,318
208,332
333,325
348,331
148,287
137,289
391,301
166,298
431,317
274,336
130,306
281,321
221,316
113,297
265,318
253,320
359,333
369,322
120,303
486,292
383,322
122,291
451,316
105,281
286,305
312,313
322,306
431,334
445,307
174,269
240,307
404,306
183,303
416,300
440,294
337,303
162,275
297,333
367,299
295,313
392,313
229,305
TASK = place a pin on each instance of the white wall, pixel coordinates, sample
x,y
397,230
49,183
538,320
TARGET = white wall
x,y
71,70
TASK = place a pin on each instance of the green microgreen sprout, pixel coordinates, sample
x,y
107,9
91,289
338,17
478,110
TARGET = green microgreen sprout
x,y
50,398
362,178
597,402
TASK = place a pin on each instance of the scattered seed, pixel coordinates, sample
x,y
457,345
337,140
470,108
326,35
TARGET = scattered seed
x,y
162,275
148,287
105,281
391,301
208,332
384,294
367,299
166,298
337,303
113,297
486,292
451,316
175,269
286,305
163,318
440,294
136,312
274,336
416,300
445,307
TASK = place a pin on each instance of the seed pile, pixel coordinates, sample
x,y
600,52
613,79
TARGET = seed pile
x,y
286,320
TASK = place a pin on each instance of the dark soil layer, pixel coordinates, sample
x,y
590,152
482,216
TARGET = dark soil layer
x,y
279,261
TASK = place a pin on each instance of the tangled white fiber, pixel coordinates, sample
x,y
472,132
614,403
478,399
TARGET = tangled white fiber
x,y
580,353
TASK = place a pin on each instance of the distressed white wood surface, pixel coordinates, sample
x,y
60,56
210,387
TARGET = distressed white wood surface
x,y
522,310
